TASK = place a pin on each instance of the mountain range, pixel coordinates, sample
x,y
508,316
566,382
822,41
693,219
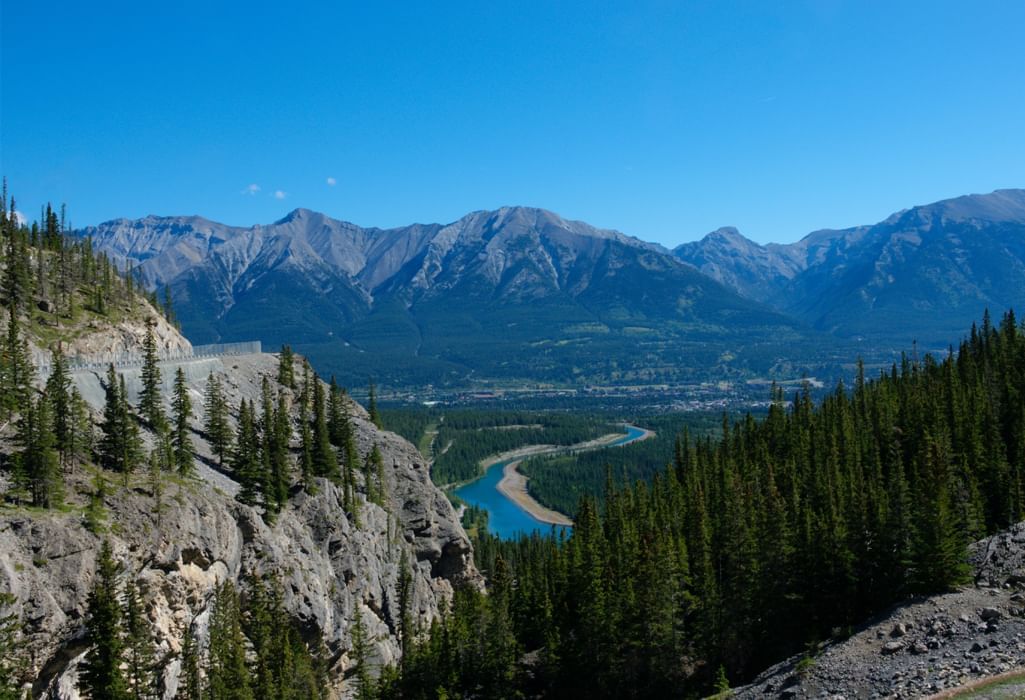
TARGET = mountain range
x,y
523,294
922,274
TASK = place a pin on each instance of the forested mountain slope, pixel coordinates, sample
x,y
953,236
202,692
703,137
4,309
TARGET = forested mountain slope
x,y
947,643
783,532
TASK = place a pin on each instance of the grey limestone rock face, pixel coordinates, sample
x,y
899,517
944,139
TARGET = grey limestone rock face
x,y
328,564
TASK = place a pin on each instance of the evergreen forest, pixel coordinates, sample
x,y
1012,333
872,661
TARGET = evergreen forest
x,y
751,546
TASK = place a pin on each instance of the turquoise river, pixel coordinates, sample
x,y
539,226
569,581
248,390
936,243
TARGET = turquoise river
x,y
505,517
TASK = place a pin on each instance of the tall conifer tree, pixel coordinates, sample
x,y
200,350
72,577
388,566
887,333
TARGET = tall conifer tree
x,y
140,652
182,441
150,399
215,409
101,675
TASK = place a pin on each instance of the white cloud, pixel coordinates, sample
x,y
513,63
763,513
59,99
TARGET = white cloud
x,y
332,182
280,194
251,189
20,218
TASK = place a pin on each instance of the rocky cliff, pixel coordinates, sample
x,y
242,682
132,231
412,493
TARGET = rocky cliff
x,y
180,541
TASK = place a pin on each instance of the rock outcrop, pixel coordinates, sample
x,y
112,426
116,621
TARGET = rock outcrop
x,y
180,545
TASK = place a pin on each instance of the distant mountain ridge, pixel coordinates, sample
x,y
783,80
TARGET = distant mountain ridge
x,y
922,273
756,271
523,294
513,293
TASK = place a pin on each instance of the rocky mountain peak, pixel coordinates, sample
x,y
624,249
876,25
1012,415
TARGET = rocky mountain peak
x,y
302,214
729,257
308,278
729,234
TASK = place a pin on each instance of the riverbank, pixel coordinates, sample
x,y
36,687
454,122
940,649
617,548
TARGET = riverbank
x,y
514,487
514,484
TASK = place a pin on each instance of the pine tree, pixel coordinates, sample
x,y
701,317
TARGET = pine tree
x,y
351,455
246,460
306,469
941,554
16,371
101,675
360,654
375,416
120,447
373,476
274,452
140,652
40,463
215,409
280,476
99,300
150,399
227,673
262,628
80,436
182,442
335,414
286,367
190,685
15,286
12,661
501,650
405,596
131,442
306,393
325,463
58,392
95,512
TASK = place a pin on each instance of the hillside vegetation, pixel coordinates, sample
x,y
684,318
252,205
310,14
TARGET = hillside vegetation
x,y
783,531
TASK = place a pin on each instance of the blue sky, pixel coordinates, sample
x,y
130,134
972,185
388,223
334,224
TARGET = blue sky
x,y
662,119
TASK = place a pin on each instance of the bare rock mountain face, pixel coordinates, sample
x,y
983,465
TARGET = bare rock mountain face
x,y
756,271
511,293
180,544
922,274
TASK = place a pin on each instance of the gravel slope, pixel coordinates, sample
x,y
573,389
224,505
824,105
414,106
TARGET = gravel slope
x,y
926,646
